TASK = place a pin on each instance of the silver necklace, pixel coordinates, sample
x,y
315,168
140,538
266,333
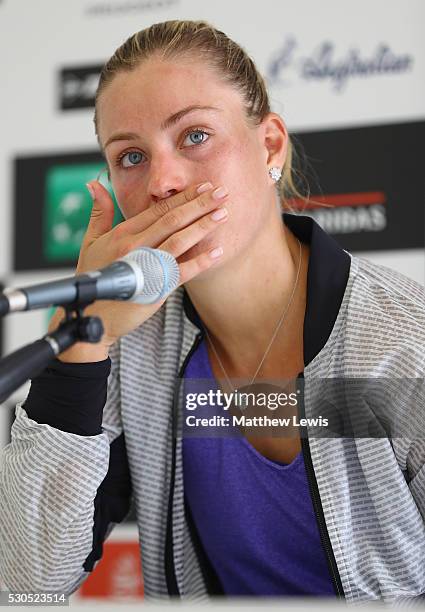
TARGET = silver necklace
x,y
274,334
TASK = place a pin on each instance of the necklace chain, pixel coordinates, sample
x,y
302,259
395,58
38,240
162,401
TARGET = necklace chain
x,y
274,334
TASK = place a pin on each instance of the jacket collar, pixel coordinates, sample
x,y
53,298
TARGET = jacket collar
x,y
327,276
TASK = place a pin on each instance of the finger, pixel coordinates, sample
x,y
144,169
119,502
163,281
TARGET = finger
x,y
167,207
182,241
181,217
191,268
102,213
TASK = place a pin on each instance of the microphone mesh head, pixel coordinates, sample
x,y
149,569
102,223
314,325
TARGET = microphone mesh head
x,y
161,274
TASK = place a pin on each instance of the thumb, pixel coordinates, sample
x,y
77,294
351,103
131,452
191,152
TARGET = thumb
x,y
102,213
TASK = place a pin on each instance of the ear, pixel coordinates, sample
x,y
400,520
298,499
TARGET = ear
x,y
275,140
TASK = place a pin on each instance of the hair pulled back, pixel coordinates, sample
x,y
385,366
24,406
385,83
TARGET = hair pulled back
x,y
200,40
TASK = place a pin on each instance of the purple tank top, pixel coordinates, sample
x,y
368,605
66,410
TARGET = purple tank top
x,y
254,516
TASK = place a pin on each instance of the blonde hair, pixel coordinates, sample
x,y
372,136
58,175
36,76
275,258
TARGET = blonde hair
x,y
172,39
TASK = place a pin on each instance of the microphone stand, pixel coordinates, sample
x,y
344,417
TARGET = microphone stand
x,y
28,361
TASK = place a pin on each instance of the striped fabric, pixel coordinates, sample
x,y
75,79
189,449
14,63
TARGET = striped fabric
x,y
372,490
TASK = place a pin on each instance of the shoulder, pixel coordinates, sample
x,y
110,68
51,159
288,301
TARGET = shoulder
x,y
387,291
385,316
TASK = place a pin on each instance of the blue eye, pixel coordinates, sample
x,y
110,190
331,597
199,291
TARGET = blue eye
x,y
197,136
133,157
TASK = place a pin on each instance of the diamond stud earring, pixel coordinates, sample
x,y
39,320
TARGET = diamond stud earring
x,y
275,173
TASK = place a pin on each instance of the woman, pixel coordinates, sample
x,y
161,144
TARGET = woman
x,y
194,156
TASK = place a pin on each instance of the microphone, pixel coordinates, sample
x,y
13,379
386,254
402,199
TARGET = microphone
x,y
143,276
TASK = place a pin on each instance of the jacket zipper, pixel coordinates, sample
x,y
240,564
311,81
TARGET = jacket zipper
x,y
170,570
317,504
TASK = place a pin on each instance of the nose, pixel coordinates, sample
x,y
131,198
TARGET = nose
x,y
166,177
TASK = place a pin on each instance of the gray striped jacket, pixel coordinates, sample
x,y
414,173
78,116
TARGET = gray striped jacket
x,y
369,493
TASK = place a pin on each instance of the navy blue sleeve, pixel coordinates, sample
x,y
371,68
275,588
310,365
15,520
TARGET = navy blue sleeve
x,y
70,396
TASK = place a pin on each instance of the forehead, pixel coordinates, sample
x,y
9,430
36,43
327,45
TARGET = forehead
x,y
145,96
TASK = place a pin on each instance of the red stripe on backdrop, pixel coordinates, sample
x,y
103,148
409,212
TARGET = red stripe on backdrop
x,y
361,198
117,575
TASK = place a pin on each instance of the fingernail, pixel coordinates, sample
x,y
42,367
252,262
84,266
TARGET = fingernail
x,y
219,214
91,191
204,187
219,193
217,252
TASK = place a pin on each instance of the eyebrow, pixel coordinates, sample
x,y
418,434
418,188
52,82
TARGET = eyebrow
x,y
172,120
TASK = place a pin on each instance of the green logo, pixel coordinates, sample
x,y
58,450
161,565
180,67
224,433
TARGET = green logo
x,y
67,209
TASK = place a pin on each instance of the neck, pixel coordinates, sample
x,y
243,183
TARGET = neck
x,y
242,302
